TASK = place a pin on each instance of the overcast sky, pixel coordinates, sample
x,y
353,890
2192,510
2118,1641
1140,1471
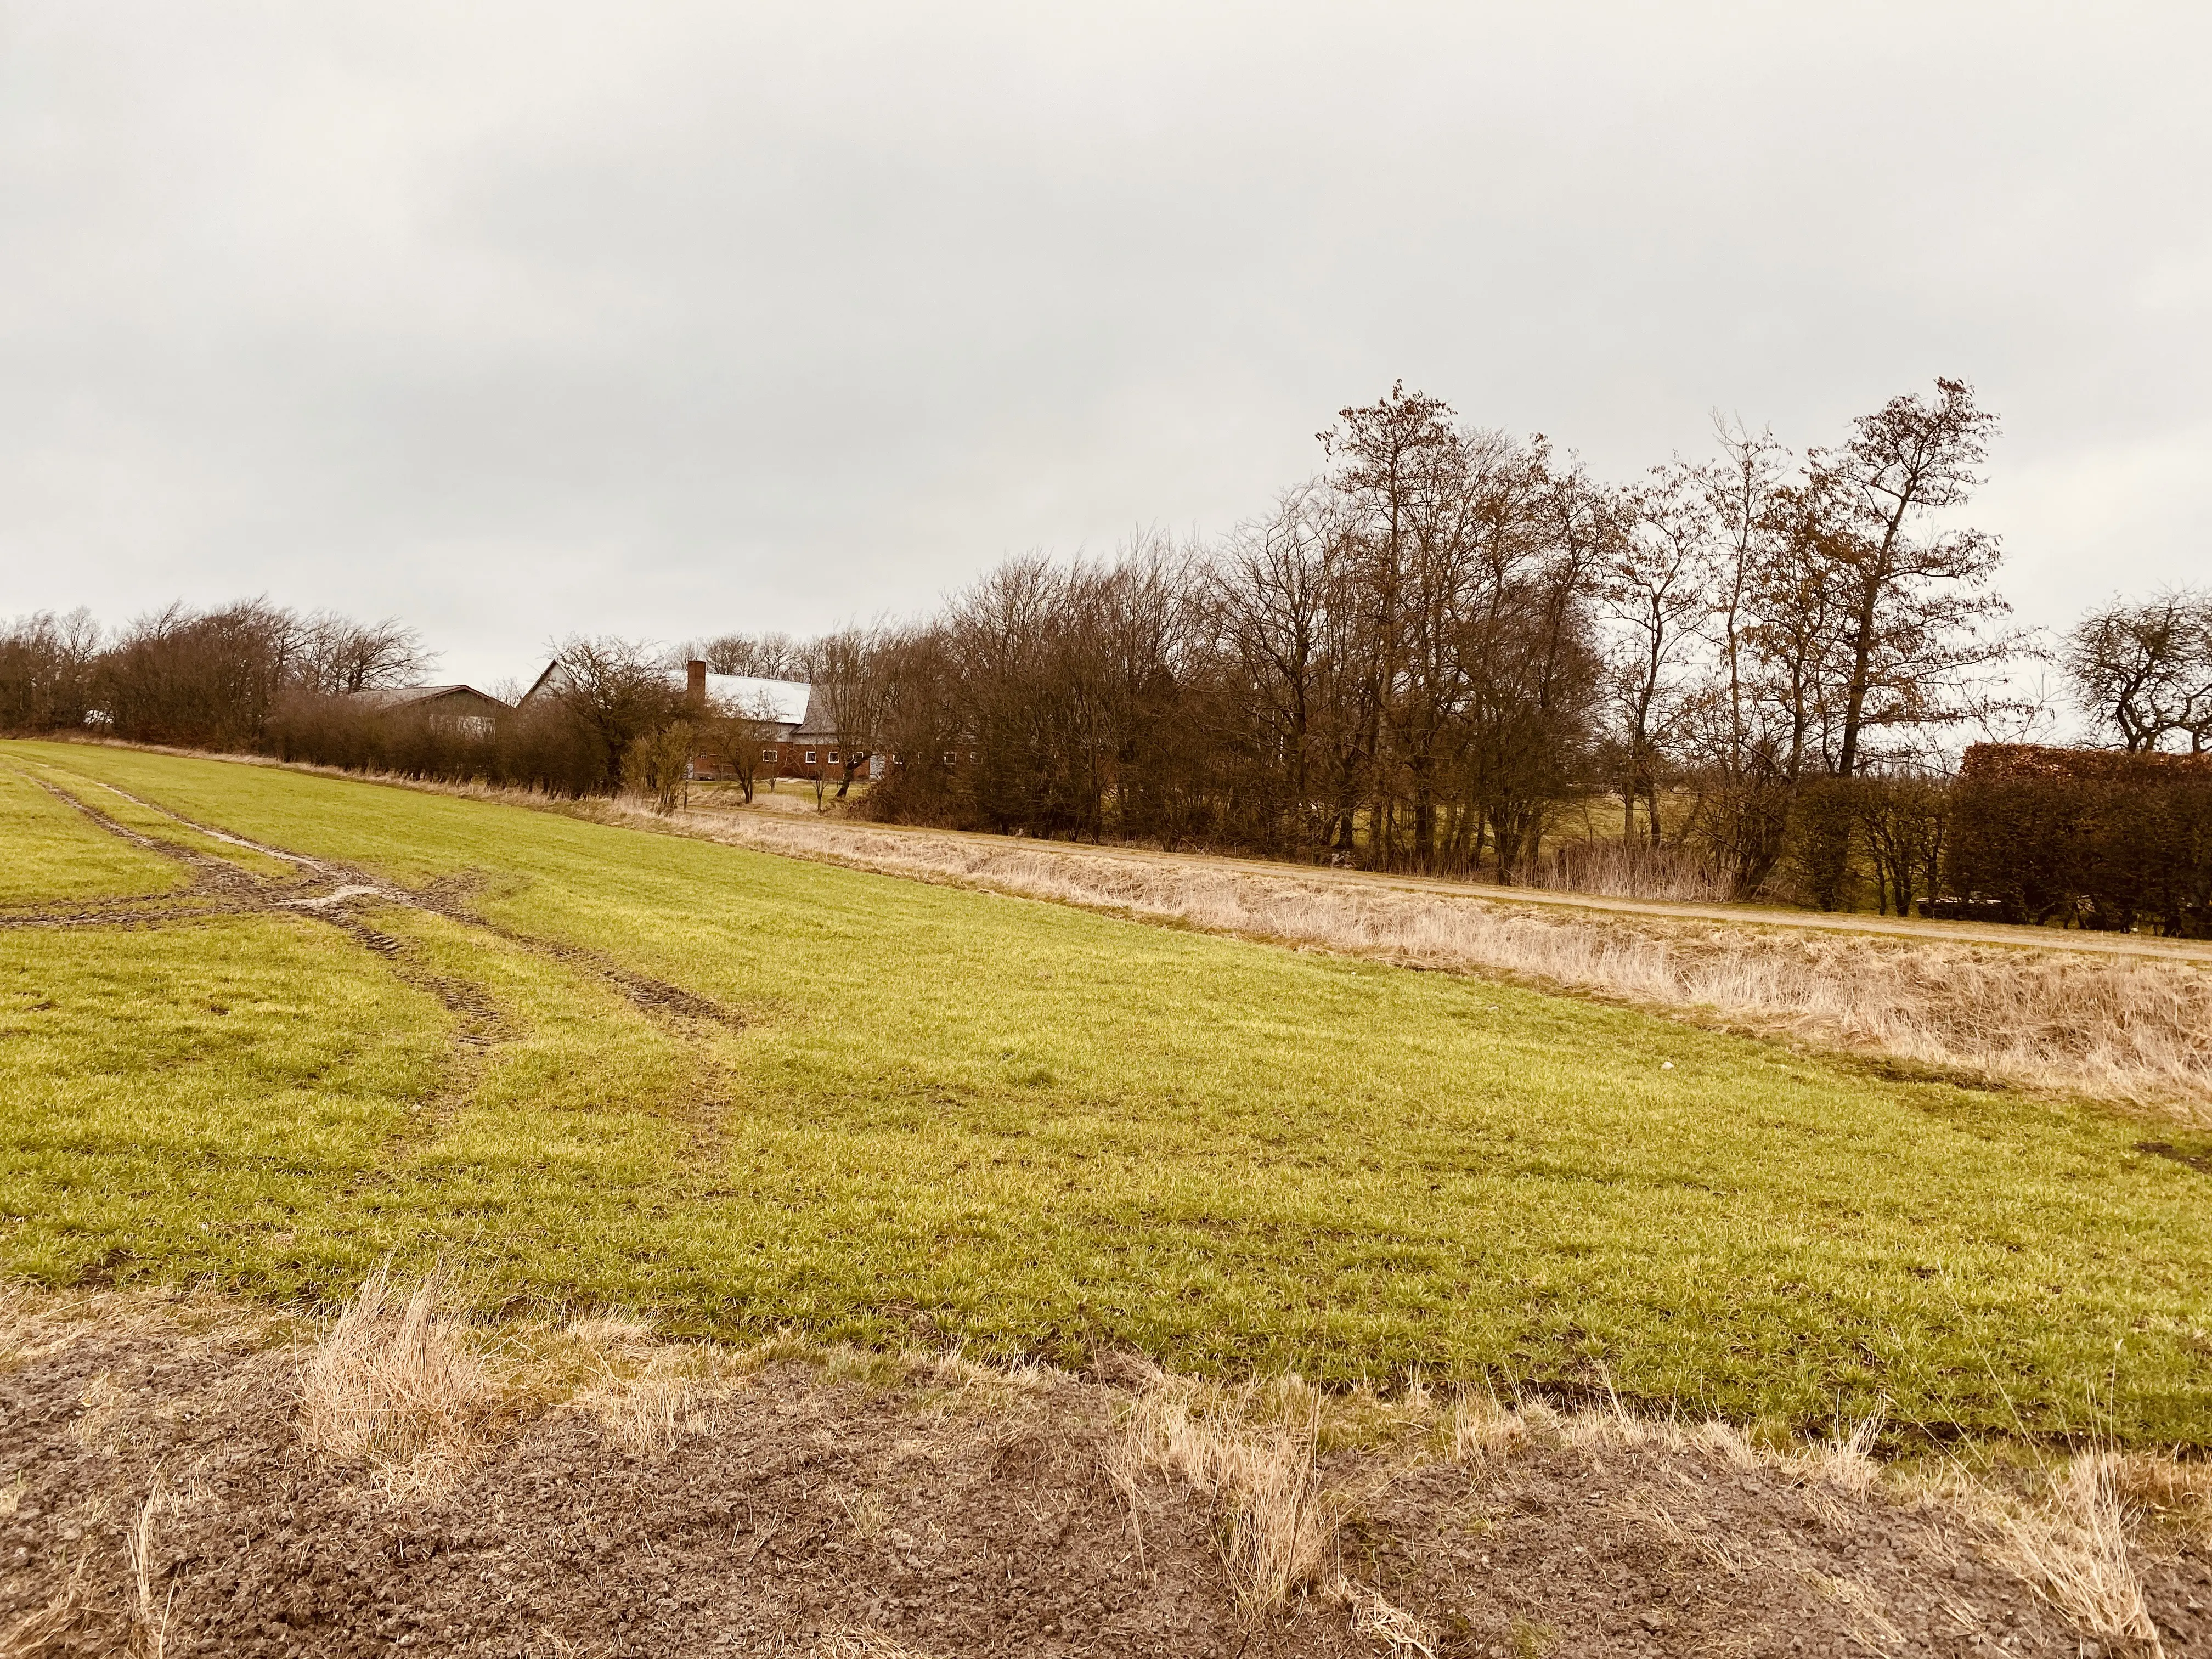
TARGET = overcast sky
x,y
670,320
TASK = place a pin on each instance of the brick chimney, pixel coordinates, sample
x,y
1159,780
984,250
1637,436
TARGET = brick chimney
x,y
695,686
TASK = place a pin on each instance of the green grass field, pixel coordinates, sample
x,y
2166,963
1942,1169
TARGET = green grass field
x,y
1038,1129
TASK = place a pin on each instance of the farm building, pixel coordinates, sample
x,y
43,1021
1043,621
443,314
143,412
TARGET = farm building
x,y
475,712
796,739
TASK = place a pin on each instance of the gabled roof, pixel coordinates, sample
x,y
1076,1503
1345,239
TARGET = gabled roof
x,y
406,696
815,722
549,682
781,702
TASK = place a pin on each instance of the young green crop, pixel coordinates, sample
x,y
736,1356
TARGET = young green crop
x,y
51,851
1043,1130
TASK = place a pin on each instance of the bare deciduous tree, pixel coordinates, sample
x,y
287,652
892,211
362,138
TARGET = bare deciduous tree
x,y
46,669
756,656
210,678
616,692
1915,596
1657,582
335,655
2144,670
735,731
657,764
844,670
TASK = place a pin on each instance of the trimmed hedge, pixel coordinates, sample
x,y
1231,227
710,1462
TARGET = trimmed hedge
x,y
2092,837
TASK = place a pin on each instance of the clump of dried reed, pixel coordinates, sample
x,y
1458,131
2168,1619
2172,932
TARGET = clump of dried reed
x,y
2073,1549
1631,869
647,1410
1400,1634
389,1384
46,1628
2131,1029
150,1623
1277,1524
1253,1448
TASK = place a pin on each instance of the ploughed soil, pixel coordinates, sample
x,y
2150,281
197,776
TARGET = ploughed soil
x,y
787,1509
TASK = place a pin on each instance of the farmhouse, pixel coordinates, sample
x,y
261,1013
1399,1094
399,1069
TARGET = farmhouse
x,y
795,737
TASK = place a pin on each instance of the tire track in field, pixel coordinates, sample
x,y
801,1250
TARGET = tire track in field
x,y
217,886
335,892
324,892
327,884
480,1026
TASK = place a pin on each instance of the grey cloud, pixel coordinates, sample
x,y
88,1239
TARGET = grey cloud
x,y
515,319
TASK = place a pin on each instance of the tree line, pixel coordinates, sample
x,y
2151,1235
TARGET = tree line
x,y
1450,647
1450,650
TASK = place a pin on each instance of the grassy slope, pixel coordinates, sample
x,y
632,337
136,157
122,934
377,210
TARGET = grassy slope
x,y
1049,1130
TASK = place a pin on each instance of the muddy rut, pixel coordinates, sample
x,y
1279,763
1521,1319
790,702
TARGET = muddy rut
x,y
349,898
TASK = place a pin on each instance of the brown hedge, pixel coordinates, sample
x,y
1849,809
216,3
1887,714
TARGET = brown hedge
x,y
2096,837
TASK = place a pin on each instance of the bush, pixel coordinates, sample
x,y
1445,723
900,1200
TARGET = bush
x,y
543,746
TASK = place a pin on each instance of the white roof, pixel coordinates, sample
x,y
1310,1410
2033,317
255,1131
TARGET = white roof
x,y
783,701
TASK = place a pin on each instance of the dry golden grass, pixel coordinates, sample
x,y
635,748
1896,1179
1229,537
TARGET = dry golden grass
x,y
2075,1551
645,1415
2170,1496
1398,1633
1618,869
149,1611
1261,1451
390,1385
1279,1526
2131,1028
861,1644
41,1631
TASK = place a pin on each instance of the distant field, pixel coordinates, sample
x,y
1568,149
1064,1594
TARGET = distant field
x,y
595,1065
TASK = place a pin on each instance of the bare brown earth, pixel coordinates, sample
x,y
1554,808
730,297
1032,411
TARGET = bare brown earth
x,y
617,1496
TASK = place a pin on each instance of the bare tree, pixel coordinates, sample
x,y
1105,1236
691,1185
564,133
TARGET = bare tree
x,y
1399,465
46,665
1530,650
616,692
1280,604
734,731
336,655
1770,629
206,678
1914,595
848,689
657,764
1742,493
2144,670
1657,584
756,656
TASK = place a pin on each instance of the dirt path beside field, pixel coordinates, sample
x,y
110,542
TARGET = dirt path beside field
x,y
635,1497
